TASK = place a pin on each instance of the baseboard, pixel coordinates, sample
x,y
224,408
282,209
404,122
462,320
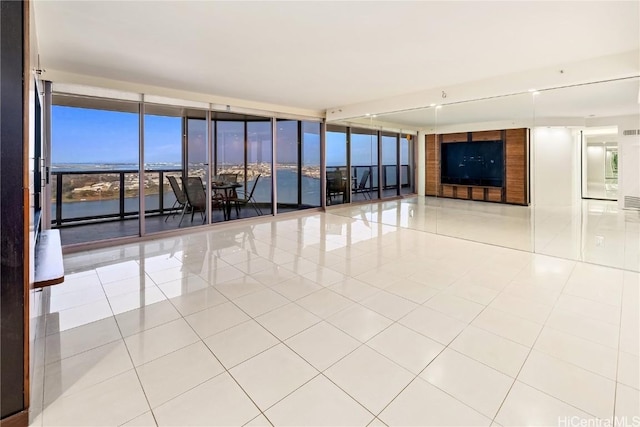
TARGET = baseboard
x,y
21,419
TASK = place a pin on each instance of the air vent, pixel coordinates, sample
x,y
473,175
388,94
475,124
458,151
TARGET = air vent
x,y
631,202
631,132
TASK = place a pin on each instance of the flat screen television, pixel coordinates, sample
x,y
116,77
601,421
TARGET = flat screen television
x,y
473,163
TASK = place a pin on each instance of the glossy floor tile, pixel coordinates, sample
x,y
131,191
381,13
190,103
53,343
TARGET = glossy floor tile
x,y
381,314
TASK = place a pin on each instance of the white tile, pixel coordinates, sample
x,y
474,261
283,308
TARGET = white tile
x,y
389,305
144,420
273,374
137,299
471,382
160,262
324,303
119,271
376,423
322,345
413,291
589,392
156,342
433,324
526,406
215,319
296,287
521,307
198,301
239,343
260,302
534,293
359,322
508,326
217,402
287,320
81,296
499,353
354,289
135,321
324,276
584,327
170,275
111,402
370,378
629,370
76,373
474,293
456,307
422,404
407,348
183,286
175,373
259,421
77,316
236,288
586,354
274,275
588,308
82,338
126,286
627,404
318,403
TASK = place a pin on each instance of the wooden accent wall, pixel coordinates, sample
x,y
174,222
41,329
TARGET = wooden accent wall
x,y
432,166
514,189
516,168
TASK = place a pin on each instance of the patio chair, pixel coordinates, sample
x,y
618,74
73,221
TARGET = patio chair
x,y
336,186
244,200
181,198
197,198
362,186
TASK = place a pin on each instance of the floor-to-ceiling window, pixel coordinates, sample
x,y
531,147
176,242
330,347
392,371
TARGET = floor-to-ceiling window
x,y
310,165
337,164
389,159
243,154
94,168
364,164
163,164
297,165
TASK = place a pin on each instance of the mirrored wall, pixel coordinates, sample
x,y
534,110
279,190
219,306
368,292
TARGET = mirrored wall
x,y
554,172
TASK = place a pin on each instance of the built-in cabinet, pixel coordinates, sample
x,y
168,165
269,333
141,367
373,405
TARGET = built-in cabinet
x,y
515,183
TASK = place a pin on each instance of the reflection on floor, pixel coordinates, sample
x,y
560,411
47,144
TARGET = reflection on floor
x,y
594,231
351,317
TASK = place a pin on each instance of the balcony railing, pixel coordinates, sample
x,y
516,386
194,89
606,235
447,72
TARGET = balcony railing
x,y
108,194
82,196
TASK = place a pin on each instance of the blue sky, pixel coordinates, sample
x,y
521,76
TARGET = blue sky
x,y
82,135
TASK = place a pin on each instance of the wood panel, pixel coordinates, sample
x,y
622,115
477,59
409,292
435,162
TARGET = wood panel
x,y
494,194
477,193
448,191
432,166
516,166
462,192
487,135
455,137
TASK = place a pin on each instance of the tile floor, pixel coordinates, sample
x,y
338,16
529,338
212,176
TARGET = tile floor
x,y
335,319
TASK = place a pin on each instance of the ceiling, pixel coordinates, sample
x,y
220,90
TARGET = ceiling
x,y
315,55
571,104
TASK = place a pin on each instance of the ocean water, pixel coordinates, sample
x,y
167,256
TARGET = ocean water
x,y
287,193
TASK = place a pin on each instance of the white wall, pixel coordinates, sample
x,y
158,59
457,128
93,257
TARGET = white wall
x,y
628,154
628,160
555,154
595,165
